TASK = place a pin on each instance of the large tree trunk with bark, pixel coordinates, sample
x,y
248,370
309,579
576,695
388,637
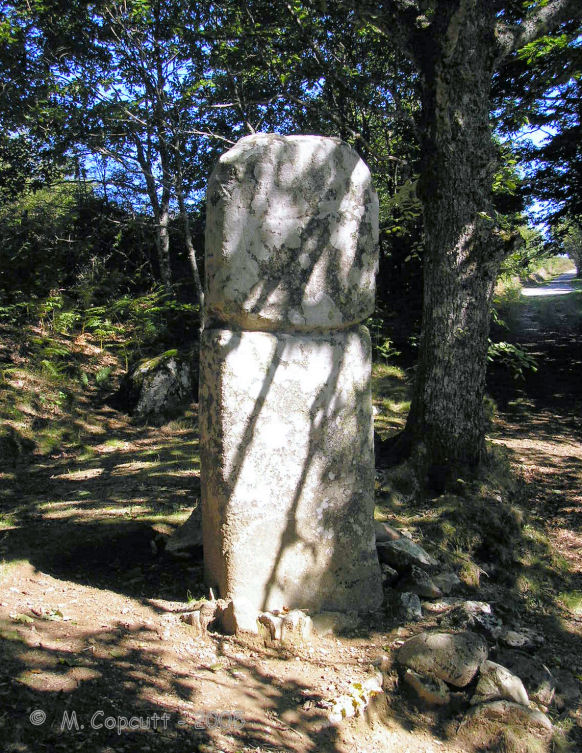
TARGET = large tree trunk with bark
x,y
462,251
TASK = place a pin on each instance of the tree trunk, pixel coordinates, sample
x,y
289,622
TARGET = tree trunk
x,y
179,186
164,246
190,247
463,252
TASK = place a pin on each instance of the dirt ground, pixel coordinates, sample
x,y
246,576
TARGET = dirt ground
x,y
94,656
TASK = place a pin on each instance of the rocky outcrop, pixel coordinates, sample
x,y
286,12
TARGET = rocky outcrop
x,y
157,389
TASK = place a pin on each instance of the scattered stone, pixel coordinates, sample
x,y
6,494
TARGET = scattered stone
x,y
210,612
239,617
385,532
389,575
514,714
296,627
326,623
383,662
403,553
567,690
452,657
270,626
476,615
188,536
496,683
431,690
418,581
193,619
204,614
289,628
447,582
409,607
536,677
524,639
442,606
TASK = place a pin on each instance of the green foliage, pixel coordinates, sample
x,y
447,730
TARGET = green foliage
x,y
382,346
515,358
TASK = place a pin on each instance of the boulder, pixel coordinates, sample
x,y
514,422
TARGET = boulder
x,y
496,683
418,581
508,713
385,532
447,582
402,553
158,388
452,657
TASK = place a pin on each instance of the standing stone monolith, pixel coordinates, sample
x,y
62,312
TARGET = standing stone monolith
x,y
286,429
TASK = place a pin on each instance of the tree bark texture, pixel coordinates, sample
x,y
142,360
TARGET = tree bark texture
x,y
462,250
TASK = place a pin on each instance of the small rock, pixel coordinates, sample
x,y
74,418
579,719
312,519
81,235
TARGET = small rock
x,y
496,683
418,581
477,615
385,532
203,615
357,701
536,677
193,619
514,714
403,553
442,606
409,607
567,690
525,639
291,628
296,627
452,657
189,535
326,623
210,612
239,617
431,690
383,662
389,575
447,582
271,626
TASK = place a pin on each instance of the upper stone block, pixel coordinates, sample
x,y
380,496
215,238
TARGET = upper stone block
x,y
291,236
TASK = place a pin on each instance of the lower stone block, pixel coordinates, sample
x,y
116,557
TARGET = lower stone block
x,y
287,477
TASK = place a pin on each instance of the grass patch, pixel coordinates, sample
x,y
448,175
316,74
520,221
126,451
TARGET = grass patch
x,y
391,398
572,600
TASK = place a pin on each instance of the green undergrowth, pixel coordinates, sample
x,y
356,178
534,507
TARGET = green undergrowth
x,y
391,397
60,355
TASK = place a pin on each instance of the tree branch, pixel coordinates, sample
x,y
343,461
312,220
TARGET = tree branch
x,y
541,21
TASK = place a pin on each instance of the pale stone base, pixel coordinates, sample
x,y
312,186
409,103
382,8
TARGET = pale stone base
x,y
286,439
